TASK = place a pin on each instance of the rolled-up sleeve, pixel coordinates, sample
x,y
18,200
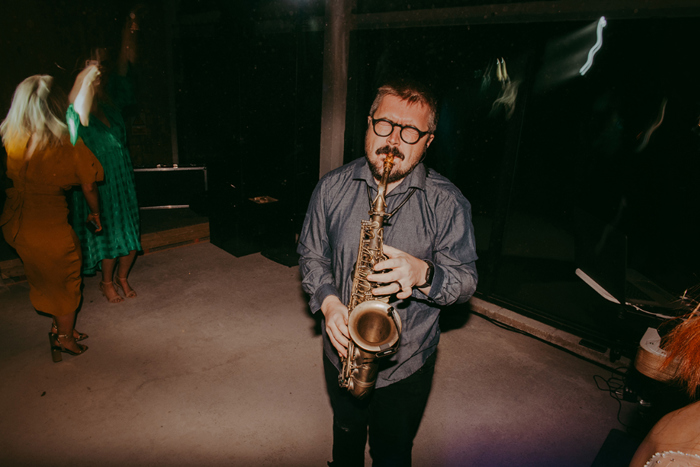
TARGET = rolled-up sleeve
x,y
315,253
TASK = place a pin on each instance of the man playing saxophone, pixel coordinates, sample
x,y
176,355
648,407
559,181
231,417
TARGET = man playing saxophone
x,y
428,243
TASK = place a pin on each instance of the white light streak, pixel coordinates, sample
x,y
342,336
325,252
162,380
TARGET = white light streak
x,y
598,44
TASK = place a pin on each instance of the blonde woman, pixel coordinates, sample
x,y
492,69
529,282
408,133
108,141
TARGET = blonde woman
x,y
42,164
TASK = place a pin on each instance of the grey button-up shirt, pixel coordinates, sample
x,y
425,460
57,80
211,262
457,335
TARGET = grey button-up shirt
x,y
435,224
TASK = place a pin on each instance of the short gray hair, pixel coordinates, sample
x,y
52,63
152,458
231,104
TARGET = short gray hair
x,y
411,92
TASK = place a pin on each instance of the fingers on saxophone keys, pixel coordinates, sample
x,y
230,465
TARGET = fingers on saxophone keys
x,y
342,347
404,292
339,331
342,350
403,288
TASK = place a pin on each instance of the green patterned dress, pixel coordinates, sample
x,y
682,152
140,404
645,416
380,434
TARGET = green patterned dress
x,y
119,211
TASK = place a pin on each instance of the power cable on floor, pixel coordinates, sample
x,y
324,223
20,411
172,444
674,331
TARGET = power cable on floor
x,y
615,386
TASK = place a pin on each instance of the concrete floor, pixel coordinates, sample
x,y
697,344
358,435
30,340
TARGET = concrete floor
x,y
218,362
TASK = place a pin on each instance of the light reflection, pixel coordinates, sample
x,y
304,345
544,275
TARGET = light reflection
x,y
654,126
598,44
564,57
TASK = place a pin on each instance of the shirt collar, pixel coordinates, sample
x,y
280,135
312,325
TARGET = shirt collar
x,y
416,179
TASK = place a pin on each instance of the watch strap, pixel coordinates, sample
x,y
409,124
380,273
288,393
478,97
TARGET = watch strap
x,y
428,275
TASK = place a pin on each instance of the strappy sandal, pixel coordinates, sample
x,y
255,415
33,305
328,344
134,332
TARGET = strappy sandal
x,y
79,337
116,298
120,283
57,348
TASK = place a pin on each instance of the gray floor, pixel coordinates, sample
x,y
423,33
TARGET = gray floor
x,y
218,362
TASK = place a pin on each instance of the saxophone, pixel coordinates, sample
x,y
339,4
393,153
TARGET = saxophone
x,y
373,324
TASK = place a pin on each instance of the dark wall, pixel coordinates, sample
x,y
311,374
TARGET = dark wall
x,y
54,37
573,143
41,37
249,107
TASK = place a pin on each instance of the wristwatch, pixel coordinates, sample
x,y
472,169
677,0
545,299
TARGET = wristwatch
x,y
428,275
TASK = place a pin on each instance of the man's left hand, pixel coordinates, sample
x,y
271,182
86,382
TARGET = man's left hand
x,y
404,272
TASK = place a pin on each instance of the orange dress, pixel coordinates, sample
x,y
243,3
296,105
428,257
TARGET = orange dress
x,y
35,221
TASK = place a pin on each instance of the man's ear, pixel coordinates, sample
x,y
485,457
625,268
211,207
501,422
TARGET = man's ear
x,y
430,140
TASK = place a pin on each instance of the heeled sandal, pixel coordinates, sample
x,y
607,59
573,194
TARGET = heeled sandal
x,y
116,298
120,283
57,347
80,337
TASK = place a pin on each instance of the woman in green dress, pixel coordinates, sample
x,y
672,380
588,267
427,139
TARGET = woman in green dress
x,y
96,117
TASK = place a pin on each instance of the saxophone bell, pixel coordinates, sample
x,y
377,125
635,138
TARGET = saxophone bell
x,y
375,330
375,327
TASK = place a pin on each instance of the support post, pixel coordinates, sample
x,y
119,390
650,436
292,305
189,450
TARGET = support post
x,y
338,19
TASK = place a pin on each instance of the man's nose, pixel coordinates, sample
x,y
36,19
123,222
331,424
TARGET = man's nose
x,y
395,137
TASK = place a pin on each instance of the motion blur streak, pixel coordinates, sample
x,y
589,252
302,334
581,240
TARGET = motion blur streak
x,y
598,44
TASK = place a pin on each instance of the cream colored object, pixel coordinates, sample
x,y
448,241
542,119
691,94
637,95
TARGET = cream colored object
x,y
673,459
650,356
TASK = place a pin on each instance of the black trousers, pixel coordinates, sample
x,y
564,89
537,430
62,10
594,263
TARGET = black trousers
x,y
392,414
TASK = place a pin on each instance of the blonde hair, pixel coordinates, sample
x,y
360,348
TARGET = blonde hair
x,y
35,111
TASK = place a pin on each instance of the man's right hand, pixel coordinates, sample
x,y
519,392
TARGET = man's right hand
x,y
336,315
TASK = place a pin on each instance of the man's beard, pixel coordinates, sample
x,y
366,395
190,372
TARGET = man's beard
x,y
378,169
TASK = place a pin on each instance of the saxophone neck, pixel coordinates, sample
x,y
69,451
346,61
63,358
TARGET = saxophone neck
x,y
379,204
388,165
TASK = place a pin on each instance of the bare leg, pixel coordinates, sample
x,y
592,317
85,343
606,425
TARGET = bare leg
x,y
107,286
108,269
65,328
125,263
76,333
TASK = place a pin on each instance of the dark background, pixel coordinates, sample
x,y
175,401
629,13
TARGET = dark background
x,y
55,37
244,80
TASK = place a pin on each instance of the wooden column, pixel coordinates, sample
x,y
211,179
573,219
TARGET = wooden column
x,y
338,19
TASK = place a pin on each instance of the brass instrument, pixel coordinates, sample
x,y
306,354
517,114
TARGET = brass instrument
x,y
373,324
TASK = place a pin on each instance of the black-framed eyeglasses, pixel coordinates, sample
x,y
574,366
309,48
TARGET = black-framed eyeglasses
x,y
409,134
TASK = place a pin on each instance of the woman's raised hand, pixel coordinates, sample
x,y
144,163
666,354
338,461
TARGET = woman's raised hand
x,y
91,74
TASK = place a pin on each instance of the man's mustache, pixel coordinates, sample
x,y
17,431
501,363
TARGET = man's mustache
x,y
390,150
